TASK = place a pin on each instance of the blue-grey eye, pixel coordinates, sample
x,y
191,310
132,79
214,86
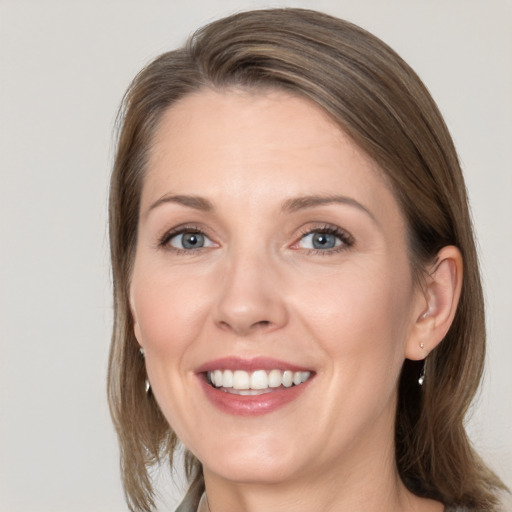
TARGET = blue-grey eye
x,y
190,240
320,241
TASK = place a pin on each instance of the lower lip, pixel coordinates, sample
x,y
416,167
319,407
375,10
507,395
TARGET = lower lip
x,y
251,405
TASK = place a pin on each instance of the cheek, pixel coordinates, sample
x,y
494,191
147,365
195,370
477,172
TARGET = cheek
x,y
358,320
168,309
361,318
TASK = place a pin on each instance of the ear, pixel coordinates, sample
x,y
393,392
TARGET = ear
x,y
437,304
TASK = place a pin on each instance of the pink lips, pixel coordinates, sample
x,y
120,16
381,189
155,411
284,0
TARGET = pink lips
x,y
249,365
250,405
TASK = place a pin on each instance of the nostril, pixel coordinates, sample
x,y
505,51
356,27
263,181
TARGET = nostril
x,y
261,324
242,329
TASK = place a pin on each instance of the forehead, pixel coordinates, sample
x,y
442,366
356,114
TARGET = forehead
x,y
260,145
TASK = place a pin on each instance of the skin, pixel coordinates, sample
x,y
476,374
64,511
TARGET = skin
x,y
352,314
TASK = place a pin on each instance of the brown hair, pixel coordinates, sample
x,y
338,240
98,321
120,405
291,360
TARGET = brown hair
x,y
376,98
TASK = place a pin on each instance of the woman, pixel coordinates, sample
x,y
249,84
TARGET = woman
x,y
296,287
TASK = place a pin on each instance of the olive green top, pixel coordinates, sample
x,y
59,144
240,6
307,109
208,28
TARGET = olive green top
x,y
190,504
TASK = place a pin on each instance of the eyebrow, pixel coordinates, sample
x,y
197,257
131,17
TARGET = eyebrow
x,y
304,202
290,205
195,202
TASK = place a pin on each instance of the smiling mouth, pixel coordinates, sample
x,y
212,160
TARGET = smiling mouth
x,y
241,382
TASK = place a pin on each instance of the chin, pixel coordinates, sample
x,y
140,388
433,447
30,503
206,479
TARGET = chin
x,y
252,471
257,462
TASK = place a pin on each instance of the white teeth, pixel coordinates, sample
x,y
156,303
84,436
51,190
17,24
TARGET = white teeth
x,y
241,380
287,378
247,392
275,378
259,380
245,382
227,379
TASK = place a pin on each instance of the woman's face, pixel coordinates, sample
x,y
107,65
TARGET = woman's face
x,y
271,251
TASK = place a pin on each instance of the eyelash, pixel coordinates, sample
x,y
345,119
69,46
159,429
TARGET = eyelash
x,y
347,241
164,240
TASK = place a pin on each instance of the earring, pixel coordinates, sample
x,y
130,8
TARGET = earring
x,y
421,378
147,385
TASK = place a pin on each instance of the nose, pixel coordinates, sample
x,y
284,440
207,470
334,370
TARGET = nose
x,y
250,298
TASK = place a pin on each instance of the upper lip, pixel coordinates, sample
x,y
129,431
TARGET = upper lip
x,y
250,364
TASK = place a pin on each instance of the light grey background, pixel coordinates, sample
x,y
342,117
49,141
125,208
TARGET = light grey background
x,y
64,66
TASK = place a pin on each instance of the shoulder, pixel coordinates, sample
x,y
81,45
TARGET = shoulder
x,y
186,506
192,502
193,497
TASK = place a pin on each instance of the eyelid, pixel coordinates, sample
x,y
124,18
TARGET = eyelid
x,y
163,240
347,240
175,241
